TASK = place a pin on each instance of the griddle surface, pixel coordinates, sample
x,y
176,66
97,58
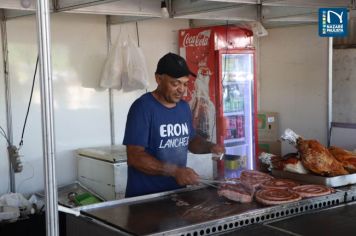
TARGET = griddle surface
x,y
170,212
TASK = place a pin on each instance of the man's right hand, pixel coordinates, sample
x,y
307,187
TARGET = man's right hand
x,y
186,176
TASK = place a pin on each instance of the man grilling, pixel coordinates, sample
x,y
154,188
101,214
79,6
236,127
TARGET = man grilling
x,y
159,133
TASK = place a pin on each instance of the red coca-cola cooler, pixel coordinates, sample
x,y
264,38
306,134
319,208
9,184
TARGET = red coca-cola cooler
x,y
222,97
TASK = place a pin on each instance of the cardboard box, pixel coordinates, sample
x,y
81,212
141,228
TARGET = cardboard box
x,y
267,126
270,147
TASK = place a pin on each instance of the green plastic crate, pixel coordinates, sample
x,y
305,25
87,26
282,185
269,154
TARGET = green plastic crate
x,y
86,199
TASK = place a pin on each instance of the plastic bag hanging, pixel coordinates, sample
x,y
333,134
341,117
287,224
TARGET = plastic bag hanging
x,y
136,68
114,67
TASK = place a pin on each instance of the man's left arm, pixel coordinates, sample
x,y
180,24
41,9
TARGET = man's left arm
x,y
198,145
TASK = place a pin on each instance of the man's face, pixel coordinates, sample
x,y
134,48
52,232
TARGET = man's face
x,y
172,89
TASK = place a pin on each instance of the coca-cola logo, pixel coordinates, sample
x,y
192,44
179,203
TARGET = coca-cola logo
x,y
201,39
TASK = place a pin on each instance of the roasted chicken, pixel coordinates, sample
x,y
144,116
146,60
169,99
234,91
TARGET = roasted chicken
x,y
347,158
316,158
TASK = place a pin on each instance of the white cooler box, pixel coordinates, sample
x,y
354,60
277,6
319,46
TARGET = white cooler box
x,y
103,170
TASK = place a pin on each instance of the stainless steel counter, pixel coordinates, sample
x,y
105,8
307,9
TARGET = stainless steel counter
x,y
335,221
340,220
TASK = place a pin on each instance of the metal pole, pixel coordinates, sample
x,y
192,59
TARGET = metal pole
x,y
7,98
111,93
330,87
43,27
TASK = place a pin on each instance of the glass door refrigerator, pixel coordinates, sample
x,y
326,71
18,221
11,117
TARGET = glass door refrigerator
x,y
236,106
222,96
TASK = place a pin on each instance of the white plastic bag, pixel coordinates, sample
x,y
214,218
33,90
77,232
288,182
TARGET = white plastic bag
x,y
136,76
111,76
15,201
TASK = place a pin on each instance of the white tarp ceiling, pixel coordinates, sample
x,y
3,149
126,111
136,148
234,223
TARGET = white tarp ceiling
x,y
271,13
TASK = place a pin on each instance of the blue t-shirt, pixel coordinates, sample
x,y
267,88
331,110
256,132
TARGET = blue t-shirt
x,y
165,134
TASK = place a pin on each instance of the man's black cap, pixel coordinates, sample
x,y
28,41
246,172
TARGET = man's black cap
x,y
173,65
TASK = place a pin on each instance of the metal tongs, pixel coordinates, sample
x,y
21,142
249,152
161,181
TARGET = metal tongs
x,y
215,183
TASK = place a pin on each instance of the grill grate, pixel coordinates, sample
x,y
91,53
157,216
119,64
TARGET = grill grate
x,y
350,194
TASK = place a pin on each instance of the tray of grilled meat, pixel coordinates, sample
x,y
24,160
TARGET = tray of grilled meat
x,y
313,162
334,181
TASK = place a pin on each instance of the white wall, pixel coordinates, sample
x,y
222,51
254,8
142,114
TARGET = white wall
x,y
81,112
293,80
344,85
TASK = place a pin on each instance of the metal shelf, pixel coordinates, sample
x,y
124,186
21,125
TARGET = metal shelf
x,y
234,113
234,140
233,82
